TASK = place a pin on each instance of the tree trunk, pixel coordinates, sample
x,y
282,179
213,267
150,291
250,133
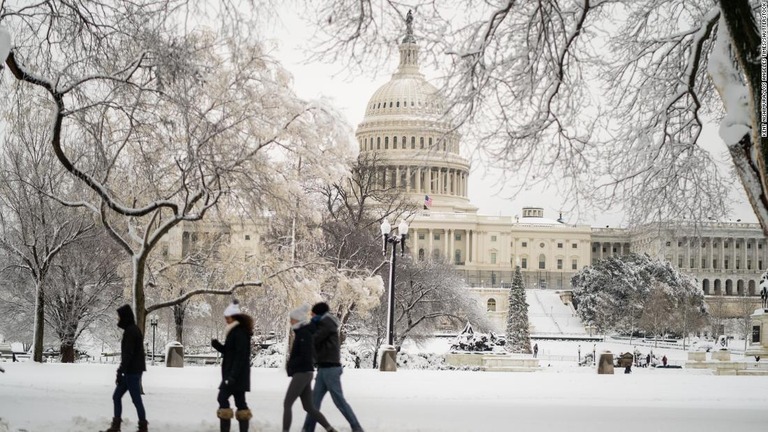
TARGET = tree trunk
x,y
67,350
178,320
139,302
750,155
67,347
37,342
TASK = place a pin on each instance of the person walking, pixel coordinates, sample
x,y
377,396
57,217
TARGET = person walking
x,y
300,368
328,359
235,367
535,350
132,366
664,361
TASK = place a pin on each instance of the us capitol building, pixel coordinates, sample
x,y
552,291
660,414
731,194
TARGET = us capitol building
x,y
417,150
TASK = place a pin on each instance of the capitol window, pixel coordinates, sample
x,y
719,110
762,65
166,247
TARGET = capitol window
x,y
574,246
421,141
413,142
491,305
386,143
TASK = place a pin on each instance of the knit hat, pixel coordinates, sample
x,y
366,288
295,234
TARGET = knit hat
x,y
232,309
320,308
301,313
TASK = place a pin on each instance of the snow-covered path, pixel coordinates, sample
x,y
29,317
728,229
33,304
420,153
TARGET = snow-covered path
x,y
76,398
548,315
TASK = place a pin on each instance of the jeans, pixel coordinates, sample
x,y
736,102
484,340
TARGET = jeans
x,y
130,383
329,380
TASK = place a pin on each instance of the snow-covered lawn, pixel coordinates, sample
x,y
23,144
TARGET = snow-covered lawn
x,y
77,398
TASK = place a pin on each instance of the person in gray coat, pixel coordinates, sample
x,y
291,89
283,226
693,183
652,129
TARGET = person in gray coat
x,y
328,359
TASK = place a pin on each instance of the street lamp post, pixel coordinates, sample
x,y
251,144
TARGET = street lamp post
x,y
153,323
388,360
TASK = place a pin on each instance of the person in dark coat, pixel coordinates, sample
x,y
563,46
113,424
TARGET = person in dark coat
x,y
328,360
535,350
664,361
300,368
235,367
132,366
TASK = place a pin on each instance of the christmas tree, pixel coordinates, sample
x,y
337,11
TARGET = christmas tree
x,y
518,338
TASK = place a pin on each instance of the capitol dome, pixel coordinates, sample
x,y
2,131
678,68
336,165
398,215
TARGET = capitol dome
x,y
415,147
406,94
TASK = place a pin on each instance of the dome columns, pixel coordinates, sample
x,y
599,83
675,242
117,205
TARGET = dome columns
x,y
424,180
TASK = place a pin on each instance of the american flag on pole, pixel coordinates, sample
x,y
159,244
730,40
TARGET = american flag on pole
x,y
427,202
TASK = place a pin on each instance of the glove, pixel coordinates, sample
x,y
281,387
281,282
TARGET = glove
x,y
217,345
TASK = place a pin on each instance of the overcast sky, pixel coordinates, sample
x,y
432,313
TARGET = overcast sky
x,y
351,94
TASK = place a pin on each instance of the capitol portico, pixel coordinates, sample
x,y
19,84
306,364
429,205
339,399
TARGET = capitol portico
x,y
418,151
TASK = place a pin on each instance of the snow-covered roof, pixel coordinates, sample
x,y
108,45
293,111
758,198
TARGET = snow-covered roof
x,y
538,221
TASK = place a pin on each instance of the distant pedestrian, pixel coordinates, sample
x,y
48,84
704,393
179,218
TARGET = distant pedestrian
x,y
132,366
535,350
235,367
13,356
300,368
664,361
648,360
328,352
357,362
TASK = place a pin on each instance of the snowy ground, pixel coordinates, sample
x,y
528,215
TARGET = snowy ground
x,y
76,398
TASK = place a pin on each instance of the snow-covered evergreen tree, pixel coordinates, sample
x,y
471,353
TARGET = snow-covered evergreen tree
x,y
518,337
614,293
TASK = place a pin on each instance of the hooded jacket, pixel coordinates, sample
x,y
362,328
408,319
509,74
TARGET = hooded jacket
x,y
326,341
132,345
236,355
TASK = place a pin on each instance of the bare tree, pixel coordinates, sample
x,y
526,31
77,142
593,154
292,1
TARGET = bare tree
x,y
84,288
526,80
657,311
34,229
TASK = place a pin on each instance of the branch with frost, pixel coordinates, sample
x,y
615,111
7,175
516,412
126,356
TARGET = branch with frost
x,y
187,296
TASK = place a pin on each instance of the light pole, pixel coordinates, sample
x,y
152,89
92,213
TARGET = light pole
x,y
388,359
153,323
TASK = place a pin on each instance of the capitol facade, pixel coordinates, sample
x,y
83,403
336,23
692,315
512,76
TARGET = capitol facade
x,y
419,152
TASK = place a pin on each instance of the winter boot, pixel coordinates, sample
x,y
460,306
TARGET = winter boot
x,y
143,426
225,418
243,418
115,427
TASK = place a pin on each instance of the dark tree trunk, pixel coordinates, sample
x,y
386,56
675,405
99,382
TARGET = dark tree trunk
x,y
67,352
37,343
179,312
